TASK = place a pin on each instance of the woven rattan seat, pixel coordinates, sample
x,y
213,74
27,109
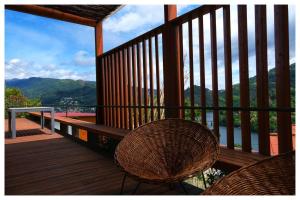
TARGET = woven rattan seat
x,y
272,176
167,150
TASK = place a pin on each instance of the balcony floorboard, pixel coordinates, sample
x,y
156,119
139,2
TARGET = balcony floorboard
x,y
37,162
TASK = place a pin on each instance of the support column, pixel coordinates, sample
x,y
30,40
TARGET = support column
x,y
171,67
99,75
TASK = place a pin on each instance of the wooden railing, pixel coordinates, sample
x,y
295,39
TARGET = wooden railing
x,y
129,99
128,90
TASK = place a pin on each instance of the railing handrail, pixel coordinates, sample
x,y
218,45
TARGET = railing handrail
x,y
137,39
202,10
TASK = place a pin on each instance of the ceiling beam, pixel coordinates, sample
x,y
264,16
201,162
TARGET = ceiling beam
x,y
52,13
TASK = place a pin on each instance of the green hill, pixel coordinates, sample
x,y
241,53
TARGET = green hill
x,y
57,91
252,91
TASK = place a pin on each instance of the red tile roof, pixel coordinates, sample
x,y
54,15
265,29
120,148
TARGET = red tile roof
x,y
274,141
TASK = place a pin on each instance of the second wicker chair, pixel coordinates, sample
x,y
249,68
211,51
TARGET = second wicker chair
x,y
167,151
272,176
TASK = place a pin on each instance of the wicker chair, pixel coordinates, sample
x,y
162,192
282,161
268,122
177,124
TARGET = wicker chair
x,y
272,176
166,151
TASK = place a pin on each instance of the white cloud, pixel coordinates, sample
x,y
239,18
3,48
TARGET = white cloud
x,y
17,68
135,17
82,58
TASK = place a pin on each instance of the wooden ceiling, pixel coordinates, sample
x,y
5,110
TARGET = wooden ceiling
x,y
95,12
81,14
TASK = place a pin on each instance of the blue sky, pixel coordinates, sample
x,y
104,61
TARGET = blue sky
x,y
37,46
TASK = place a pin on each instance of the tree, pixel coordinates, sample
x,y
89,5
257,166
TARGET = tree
x,y
15,98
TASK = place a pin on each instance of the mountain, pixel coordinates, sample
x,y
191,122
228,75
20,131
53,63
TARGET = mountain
x,y
252,90
56,91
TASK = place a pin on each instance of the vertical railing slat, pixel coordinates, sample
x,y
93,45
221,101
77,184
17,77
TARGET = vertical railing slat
x,y
106,91
202,70
117,64
191,56
283,93
103,85
109,67
157,75
145,78
139,74
134,85
244,77
121,95
228,76
129,64
114,89
182,111
151,79
125,86
262,78
214,70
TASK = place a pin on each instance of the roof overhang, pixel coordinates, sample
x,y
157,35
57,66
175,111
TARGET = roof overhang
x,y
87,15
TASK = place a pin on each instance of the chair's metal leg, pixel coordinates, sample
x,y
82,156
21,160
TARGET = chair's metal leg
x,y
204,180
136,188
123,182
183,188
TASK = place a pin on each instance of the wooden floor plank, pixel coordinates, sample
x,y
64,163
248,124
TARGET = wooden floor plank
x,y
43,164
38,162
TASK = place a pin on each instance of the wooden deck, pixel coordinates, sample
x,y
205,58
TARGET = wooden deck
x,y
229,159
37,162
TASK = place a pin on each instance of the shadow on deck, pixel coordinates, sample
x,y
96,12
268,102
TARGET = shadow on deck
x,y
43,163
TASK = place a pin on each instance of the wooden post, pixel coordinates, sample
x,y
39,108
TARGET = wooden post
x,y
157,75
283,93
262,92
191,56
202,70
228,76
244,77
99,75
214,71
171,59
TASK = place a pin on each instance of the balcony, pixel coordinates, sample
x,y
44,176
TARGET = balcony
x,y
143,80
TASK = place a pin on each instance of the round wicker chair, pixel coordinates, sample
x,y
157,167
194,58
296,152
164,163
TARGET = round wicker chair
x,y
167,151
272,176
